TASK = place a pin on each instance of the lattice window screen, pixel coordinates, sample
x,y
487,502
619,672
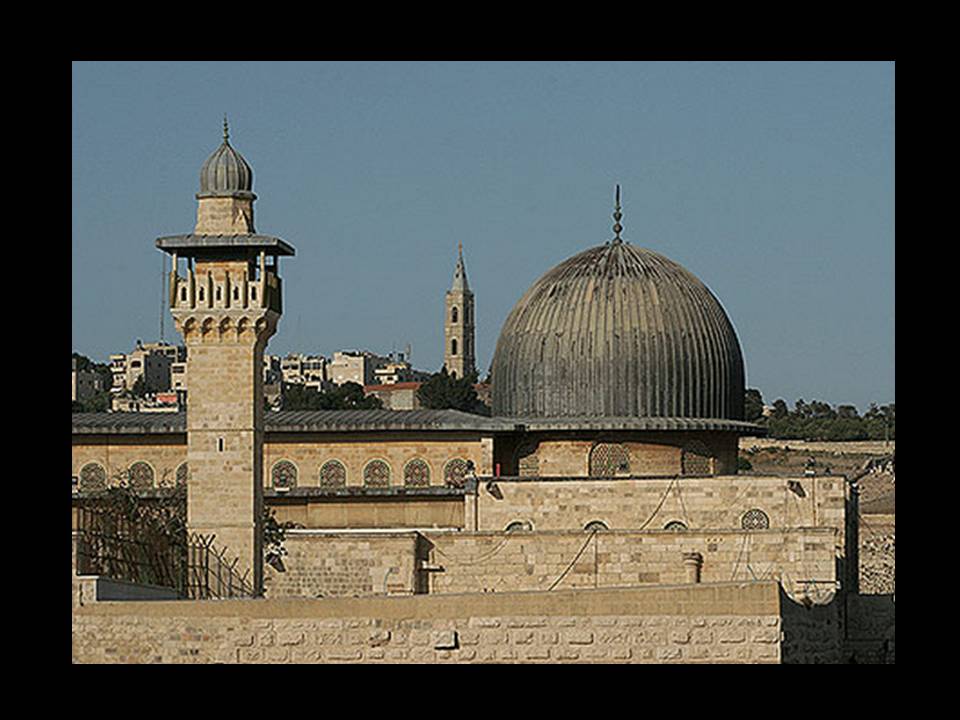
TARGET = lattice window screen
x,y
416,473
284,475
607,459
333,474
93,477
697,459
376,474
141,476
755,519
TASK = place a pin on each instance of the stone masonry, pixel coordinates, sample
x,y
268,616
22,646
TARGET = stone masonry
x,y
727,623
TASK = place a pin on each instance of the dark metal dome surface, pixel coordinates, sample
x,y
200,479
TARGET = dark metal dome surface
x,y
225,173
618,331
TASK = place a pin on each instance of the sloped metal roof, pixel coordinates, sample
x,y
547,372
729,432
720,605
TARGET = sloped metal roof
x,y
271,244
298,421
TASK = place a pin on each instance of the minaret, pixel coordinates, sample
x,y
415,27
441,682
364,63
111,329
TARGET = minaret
x,y
459,355
226,304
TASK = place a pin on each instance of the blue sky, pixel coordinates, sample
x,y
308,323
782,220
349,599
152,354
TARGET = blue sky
x,y
772,182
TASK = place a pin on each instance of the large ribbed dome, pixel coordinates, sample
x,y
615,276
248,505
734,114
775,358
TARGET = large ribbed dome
x,y
618,331
225,173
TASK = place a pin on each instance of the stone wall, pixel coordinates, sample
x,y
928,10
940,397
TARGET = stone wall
x,y
307,451
650,452
812,634
803,559
370,512
713,502
871,629
346,565
726,623
116,453
354,450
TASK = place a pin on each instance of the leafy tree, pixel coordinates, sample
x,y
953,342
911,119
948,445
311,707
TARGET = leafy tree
x,y
780,409
847,412
348,396
442,391
752,405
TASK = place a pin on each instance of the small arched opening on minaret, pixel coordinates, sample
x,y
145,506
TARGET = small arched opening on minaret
x,y
453,314
453,346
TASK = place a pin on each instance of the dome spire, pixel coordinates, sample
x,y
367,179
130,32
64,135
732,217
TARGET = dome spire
x,y
226,130
617,227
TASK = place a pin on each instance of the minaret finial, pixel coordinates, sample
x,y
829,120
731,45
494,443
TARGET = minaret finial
x,y
617,227
226,130
460,248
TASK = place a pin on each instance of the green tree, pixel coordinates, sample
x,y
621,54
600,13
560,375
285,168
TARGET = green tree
x,y
780,409
752,405
348,396
847,412
442,391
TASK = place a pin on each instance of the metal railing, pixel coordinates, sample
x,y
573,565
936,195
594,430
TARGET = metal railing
x,y
210,575
115,547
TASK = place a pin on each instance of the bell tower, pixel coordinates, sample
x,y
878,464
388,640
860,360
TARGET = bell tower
x,y
459,355
226,300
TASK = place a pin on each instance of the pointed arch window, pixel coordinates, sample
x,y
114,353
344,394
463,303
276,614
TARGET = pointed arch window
x,y
453,346
454,314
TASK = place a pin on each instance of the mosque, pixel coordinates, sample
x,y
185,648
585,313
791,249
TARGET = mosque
x,y
617,388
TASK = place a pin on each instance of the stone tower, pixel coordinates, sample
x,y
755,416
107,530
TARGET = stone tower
x,y
226,300
459,355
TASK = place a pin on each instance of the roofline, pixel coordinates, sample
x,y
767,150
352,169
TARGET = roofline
x,y
268,243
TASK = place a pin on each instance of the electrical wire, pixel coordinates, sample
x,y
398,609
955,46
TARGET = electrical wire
x,y
574,561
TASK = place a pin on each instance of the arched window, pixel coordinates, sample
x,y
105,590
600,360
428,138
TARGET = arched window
x,y
521,525
201,294
183,294
675,525
182,475
93,477
140,475
333,474
376,474
755,519
609,459
453,346
697,459
284,475
454,472
453,314
595,525
416,473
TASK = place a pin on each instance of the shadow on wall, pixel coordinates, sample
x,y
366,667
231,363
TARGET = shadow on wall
x,y
849,629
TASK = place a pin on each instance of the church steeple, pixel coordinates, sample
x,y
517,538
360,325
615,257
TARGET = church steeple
x,y
459,355
460,273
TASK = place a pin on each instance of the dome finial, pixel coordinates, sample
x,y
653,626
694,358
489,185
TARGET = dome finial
x,y
617,227
226,130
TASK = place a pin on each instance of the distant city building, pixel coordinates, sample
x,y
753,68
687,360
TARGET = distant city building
x,y
395,396
398,371
83,383
355,366
151,361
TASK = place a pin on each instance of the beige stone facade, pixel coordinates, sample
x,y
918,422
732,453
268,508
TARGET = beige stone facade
x,y
726,623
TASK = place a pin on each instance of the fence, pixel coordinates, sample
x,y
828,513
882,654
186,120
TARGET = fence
x,y
114,546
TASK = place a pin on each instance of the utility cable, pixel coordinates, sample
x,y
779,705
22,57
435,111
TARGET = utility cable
x,y
574,561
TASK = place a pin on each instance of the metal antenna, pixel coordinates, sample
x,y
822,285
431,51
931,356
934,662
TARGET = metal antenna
x,y
617,215
163,290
